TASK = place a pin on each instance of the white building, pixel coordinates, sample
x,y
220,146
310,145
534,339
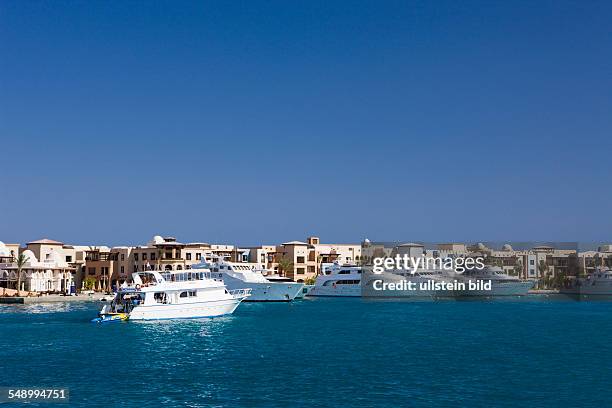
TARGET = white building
x,y
52,274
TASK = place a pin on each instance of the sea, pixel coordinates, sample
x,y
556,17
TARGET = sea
x,y
533,351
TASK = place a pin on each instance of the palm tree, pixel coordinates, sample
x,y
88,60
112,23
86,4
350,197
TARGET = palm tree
x,y
285,265
543,267
518,267
21,261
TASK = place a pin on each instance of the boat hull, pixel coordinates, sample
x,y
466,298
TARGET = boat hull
x,y
337,291
194,310
304,292
265,291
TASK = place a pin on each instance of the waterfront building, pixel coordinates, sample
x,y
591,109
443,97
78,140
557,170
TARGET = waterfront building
x,y
264,256
49,275
301,256
48,262
539,262
111,267
329,253
101,266
306,257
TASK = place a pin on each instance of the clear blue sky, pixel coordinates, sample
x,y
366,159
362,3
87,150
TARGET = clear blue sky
x,y
259,122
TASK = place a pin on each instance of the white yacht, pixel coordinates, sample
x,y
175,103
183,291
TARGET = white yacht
x,y
338,280
597,283
186,294
346,280
237,275
502,284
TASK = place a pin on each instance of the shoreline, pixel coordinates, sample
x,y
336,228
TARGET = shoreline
x,y
21,300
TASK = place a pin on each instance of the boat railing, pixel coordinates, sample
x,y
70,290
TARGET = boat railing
x,y
240,293
186,276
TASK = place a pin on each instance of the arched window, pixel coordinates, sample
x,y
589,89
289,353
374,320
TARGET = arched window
x,y
179,268
168,268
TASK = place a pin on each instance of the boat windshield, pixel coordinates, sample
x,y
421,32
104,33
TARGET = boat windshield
x,y
186,276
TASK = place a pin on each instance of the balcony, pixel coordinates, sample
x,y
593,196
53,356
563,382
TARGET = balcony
x,y
100,257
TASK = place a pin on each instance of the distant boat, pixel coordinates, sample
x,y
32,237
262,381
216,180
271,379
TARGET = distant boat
x,y
597,283
502,284
185,294
338,280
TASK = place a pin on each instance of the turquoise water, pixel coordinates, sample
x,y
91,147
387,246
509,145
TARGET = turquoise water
x,y
537,352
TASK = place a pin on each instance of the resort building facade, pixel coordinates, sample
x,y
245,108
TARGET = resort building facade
x,y
51,274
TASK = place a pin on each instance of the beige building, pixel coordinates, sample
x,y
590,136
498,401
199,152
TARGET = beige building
x,y
112,267
302,256
306,257
51,274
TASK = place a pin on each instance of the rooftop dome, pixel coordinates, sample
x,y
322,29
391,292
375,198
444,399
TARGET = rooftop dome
x,y
29,256
4,250
157,240
507,247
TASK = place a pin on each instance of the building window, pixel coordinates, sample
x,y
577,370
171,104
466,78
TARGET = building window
x,y
122,269
144,257
531,262
135,268
135,257
300,271
188,256
123,257
198,256
311,269
301,259
68,258
91,271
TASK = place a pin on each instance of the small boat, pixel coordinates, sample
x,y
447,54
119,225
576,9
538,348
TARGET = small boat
x,y
110,317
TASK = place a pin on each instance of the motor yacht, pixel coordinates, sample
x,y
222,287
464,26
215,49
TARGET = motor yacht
x,y
337,280
185,294
597,283
502,284
237,275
